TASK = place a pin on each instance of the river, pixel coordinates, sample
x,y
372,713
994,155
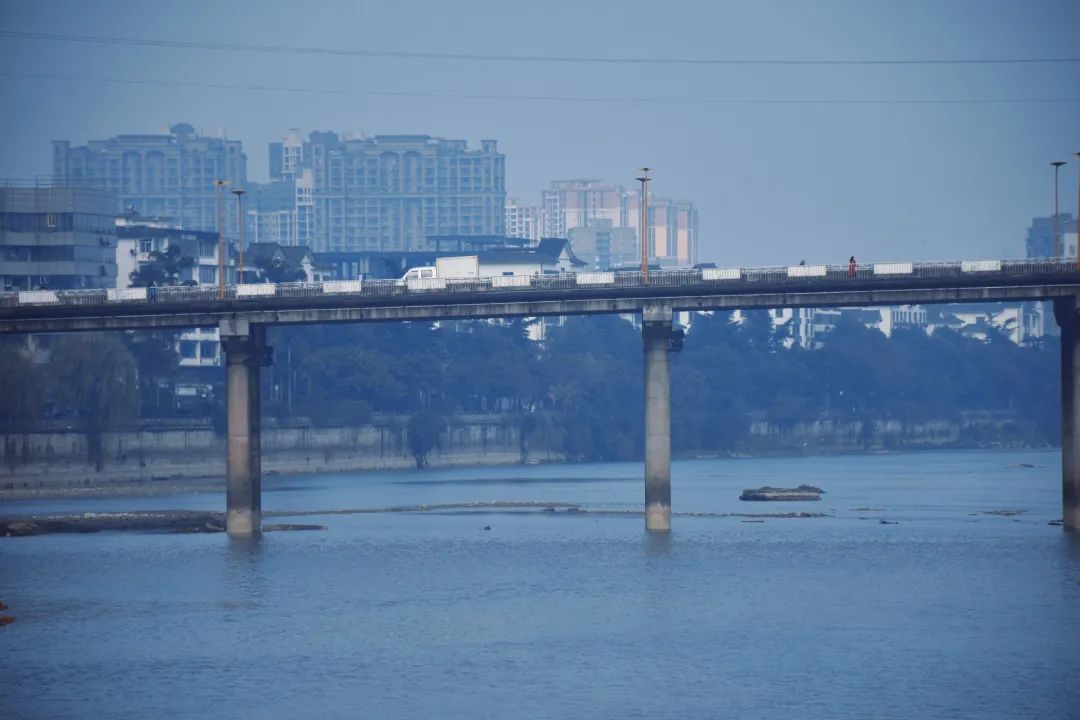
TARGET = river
x,y
948,613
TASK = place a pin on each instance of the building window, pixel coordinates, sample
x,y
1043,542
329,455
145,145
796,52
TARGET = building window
x,y
187,349
208,349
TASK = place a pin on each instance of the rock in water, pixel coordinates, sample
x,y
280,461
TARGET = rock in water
x,y
803,492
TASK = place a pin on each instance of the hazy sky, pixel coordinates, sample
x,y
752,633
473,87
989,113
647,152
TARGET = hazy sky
x,y
773,182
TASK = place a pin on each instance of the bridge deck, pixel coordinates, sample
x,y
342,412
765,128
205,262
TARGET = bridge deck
x,y
583,293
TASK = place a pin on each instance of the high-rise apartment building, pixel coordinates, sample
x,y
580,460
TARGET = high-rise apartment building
x,y
522,221
271,213
1040,236
167,174
672,229
286,156
390,193
57,238
594,208
568,204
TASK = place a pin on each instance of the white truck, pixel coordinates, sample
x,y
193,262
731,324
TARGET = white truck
x,y
462,267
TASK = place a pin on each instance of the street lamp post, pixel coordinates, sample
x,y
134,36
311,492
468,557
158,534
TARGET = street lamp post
x,y
1076,220
240,228
1057,236
218,185
644,222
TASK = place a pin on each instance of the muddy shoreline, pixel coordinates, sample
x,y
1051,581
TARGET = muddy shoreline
x,y
205,521
169,521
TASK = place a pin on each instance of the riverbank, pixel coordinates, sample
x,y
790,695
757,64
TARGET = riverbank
x,y
187,456
92,485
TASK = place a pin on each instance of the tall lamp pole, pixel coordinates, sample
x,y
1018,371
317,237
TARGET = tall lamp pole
x,y
240,225
1076,220
644,223
218,185
1057,236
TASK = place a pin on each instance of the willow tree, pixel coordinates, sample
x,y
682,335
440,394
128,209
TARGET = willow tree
x,y
21,390
20,386
94,379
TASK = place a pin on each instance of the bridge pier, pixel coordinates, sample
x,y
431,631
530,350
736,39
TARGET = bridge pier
x,y
656,332
245,354
1065,312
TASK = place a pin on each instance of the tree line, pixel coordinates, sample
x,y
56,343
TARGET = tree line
x,y
578,393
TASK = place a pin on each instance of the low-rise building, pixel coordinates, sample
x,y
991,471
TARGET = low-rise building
x,y
550,255
142,238
57,238
273,262
139,237
602,246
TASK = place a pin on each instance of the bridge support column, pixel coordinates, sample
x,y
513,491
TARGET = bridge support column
x,y
245,354
1065,311
656,332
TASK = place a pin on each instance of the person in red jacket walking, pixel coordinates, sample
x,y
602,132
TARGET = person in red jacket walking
x,y
851,267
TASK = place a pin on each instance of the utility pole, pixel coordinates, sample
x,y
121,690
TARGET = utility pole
x,y
218,185
1057,236
644,223
240,226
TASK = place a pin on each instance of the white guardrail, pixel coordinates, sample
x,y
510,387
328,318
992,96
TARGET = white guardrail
x,y
38,297
256,290
973,266
806,271
336,287
595,278
721,274
126,294
894,268
796,275
511,281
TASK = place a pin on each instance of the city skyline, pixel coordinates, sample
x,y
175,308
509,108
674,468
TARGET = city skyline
x,y
339,192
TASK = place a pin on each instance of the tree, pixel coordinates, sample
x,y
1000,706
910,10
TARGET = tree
x,y
424,430
94,380
20,386
157,362
276,268
163,268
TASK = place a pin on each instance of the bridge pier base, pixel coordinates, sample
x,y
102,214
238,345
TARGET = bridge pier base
x,y
656,333
245,354
1065,311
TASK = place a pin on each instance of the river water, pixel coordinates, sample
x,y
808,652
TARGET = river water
x,y
948,613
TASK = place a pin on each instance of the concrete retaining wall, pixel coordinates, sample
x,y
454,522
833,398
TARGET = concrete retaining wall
x,y
60,457
975,429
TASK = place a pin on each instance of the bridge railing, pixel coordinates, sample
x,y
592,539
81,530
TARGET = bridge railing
x,y
795,276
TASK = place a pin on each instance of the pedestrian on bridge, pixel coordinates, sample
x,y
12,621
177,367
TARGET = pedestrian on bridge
x,y
851,267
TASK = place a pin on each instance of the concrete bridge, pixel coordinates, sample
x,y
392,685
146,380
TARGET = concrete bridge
x,y
242,312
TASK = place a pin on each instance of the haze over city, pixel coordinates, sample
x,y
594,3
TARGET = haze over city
x,y
783,162
596,359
